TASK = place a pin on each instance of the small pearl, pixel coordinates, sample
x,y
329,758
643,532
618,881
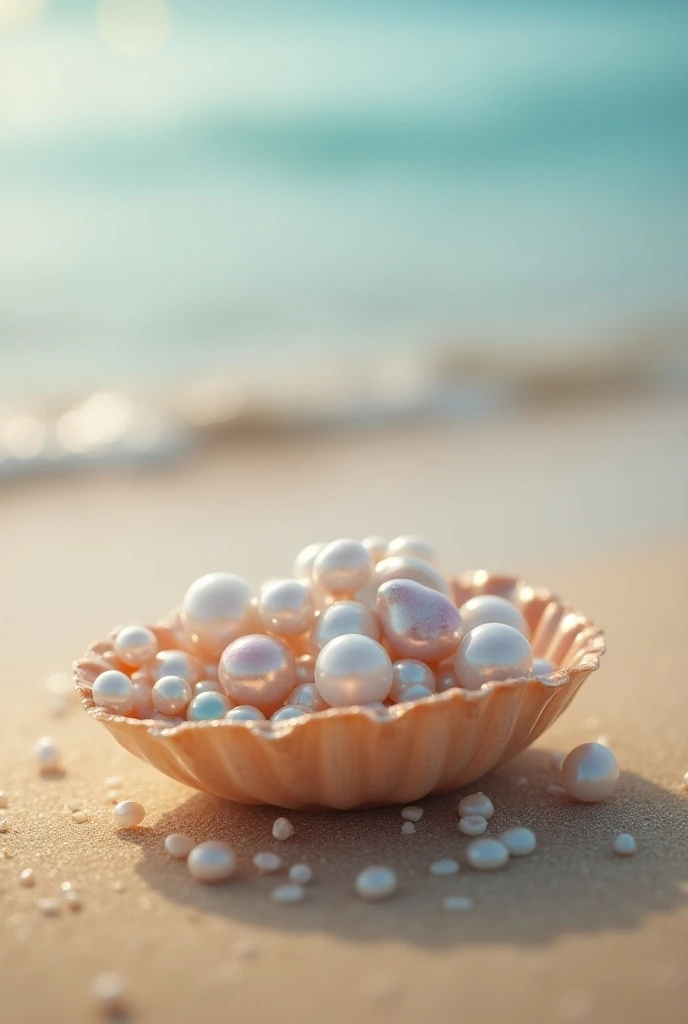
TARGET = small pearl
x,y
286,607
443,868
343,567
376,883
50,907
488,608
412,693
208,686
79,817
267,862
135,645
412,813
473,825
142,703
492,652
211,862
175,663
303,566
417,621
376,548
457,903
288,893
47,754
476,803
128,814
410,546
108,991
407,568
113,781
445,677
245,713
289,712
543,667
112,796
341,619
487,854
258,670
590,772
113,690
302,874
27,878
171,695
73,900
4,800
178,845
307,696
519,841
207,706
624,845
353,670
217,609
409,672
282,829
408,828
4,825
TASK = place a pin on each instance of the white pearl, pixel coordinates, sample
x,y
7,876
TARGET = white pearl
x,y
245,713
487,854
490,653
303,566
208,686
286,607
519,841
409,672
410,546
457,903
211,862
412,693
353,670
476,803
217,609
376,548
4,800
487,608
302,874
142,704
407,568
590,772
27,878
128,813
412,813
306,696
206,707
178,845
175,663
135,645
343,567
417,621
171,694
258,670
376,883
113,690
624,845
543,667
288,893
408,828
289,712
108,991
341,619
282,829
267,862
472,825
443,868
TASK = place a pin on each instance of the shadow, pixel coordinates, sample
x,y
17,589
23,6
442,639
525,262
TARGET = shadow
x,y
572,883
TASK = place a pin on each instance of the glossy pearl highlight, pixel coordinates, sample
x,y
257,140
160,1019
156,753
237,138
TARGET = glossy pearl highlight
x,y
171,694
114,691
245,713
490,608
258,670
353,670
217,609
492,652
417,621
307,696
136,646
409,672
590,772
411,546
211,862
206,707
343,567
286,607
341,619
175,663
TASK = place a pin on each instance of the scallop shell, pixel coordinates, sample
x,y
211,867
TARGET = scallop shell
x,y
352,757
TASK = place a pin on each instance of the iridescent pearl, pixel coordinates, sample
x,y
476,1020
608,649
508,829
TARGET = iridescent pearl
x,y
305,670
288,712
341,619
282,829
178,845
136,645
410,546
590,772
266,862
624,845
492,652
113,690
353,670
245,713
171,694
307,696
211,862
409,672
543,667
476,803
376,883
142,705
417,621
415,692
343,567
472,825
443,868
412,813
302,874
208,686
303,566
376,548
286,607
445,677
175,663
487,854
519,841
217,609
258,670
47,754
407,568
128,813
408,828
206,707
490,608
288,893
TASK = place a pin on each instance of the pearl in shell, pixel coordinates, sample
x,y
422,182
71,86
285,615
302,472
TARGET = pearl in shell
x,y
208,706
245,713
408,568
142,705
409,672
342,619
258,670
171,694
490,608
136,645
415,692
217,609
445,676
286,607
353,670
543,667
343,567
175,663
410,546
492,652
417,621
288,712
114,690
303,565
208,686
376,547
590,772
307,696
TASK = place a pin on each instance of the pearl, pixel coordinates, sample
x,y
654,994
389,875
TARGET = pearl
x,y
555,790
282,829
302,874
590,772
409,672
288,893
128,813
211,862
303,566
443,868
135,645
412,813
543,667
457,903
353,670
79,817
289,712
208,686
341,619
305,670
486,608
624,845
258,670
245,713
176,663
519,841
487,854
108,991
492,652
472,825
413,693
417,621
376,883
343,567
48,906
27,878
445,677
376,548
267,863
113,690
286,607
307,696
178,845
555,763
171,694
47,754
142,703
217,609
476,803
206,707
410,546
408,828
407,568
4,800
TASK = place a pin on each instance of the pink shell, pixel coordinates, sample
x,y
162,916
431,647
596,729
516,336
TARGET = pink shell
x,y
350,757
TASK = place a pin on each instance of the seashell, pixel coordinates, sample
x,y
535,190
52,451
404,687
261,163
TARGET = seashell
x,y
350,757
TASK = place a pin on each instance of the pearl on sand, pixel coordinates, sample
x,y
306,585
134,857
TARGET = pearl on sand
x,y
624,845
302,874
353,670
492,652
128,813
341,619
343,567
258,670
286,607
178,845
267,862
206,707
376,883
445,867
417,621
519,841
486,608
217,609
476,803
245,713
412,813
282,829
211,862
410,546
590,772
171,694
409,672
113,690
472,825
136,645
487,855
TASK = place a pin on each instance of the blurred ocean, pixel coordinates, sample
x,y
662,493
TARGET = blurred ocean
x,y
320,177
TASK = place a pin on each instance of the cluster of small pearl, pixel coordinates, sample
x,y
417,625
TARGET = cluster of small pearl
x,y
361,623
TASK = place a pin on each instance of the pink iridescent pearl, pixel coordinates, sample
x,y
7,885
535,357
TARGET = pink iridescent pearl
x,y
136,646
409,672
341,619
175,663
408,568
353,670
114,690
410,546
286,607
343,567
490,608
258,670
171,694
307,696
418,622
590,772
492,652
217,609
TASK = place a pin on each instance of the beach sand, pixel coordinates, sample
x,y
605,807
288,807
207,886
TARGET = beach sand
x,y
590,502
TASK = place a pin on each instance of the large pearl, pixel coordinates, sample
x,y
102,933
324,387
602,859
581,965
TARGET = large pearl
x,y
303,565
136,645
114,690
408,672
490,608
171,694
217,609
353,670
343,567
590,772
417,621
492,652
376,547
286,607
176,663
258,670
208,706
341,619
408,568
410,546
